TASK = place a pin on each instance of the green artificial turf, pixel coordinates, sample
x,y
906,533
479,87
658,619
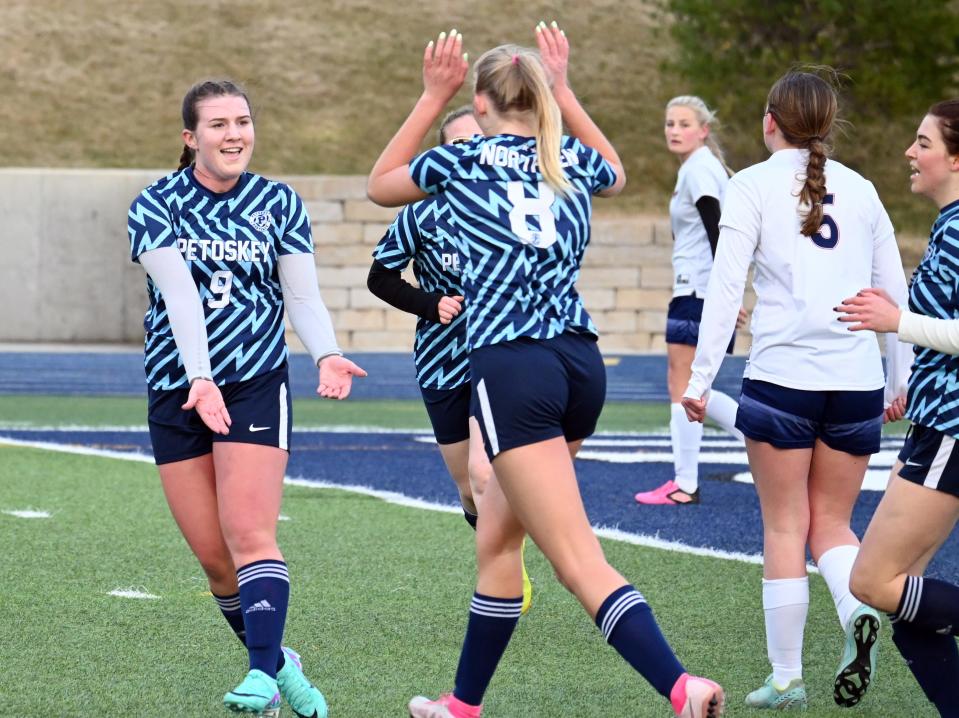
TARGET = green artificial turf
x,y
379,602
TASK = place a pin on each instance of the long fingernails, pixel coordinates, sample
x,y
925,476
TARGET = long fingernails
x,y
430,44
466,57
554,25
452,33
442,36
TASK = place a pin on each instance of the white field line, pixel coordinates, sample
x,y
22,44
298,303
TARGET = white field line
x,y
398,499
27,513
142,428
134,592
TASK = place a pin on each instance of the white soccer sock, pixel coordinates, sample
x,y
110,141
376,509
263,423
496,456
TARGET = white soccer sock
x,y
835,565
722,408
785,603
686,437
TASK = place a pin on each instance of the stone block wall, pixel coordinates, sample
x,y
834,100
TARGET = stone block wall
x,y
68,275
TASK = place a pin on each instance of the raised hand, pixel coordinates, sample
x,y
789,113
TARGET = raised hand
x,y
871,309
553,51
449,308
206,398
444,66
336,377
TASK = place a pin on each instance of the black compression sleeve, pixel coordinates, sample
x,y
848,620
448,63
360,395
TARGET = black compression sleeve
x,y
709,212
389,285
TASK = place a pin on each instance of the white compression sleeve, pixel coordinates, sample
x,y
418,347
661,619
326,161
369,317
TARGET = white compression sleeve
x,y
939,334
308,315
172,277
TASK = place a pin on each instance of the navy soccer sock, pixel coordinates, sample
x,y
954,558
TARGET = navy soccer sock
x,y
470,518
230,608
934,661
628,625
488,631
264,596
930,604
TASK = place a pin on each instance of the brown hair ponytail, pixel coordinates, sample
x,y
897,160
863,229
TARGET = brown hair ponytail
x,y
947,117
804,106
201,91
514,80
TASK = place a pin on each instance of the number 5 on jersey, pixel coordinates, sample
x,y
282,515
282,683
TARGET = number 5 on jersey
x,y
538,207
832,239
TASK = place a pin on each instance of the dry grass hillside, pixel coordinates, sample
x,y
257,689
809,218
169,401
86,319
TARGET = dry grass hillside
x,y
98,83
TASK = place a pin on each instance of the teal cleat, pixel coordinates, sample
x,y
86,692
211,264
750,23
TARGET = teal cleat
x,y
256,694
771,696
304,698
857,668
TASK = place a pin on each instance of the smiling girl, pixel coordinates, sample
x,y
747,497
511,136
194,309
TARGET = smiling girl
x,y
921,504
226,252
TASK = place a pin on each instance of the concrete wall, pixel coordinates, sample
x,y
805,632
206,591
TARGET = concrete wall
x,y
68,277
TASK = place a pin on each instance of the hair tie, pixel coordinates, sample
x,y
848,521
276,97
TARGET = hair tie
x,y
515,59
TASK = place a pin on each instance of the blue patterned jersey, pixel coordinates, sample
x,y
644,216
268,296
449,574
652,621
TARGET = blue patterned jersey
x,y
934,384
230,242
521,243
422,232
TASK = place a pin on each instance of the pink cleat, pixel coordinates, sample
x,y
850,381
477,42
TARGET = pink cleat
x,y
446,706
667,495
695,697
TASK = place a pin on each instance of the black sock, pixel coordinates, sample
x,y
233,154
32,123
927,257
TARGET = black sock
x,y
230,608
470,518
490,627
930,604
934,661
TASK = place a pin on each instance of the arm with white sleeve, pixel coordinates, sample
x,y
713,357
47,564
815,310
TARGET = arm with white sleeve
x,y
312,324
724,295
170,274
304,305
939,334
887,274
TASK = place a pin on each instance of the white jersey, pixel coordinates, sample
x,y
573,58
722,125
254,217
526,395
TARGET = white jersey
x,y
701,175
798,341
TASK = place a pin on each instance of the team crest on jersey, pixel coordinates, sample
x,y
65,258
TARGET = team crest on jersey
x,y
262,220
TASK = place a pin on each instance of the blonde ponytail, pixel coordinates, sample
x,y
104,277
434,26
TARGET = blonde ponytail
x,y
514,80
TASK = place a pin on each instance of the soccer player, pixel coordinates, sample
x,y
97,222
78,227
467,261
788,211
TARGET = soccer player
x,y
226,252
812,401
694,215
921,504
421,233
520,197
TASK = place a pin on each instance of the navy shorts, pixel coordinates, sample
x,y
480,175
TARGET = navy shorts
x,y
682,321
849,421
449,411
530,390
930,458
260,408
